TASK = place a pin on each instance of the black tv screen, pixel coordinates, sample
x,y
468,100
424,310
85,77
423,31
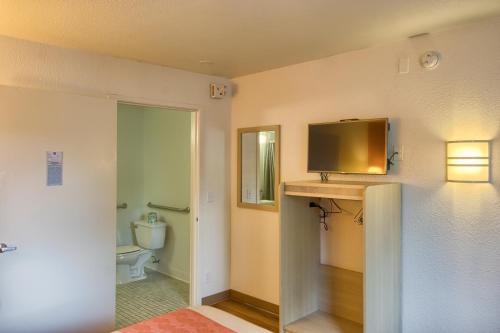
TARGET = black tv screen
x,y
353,146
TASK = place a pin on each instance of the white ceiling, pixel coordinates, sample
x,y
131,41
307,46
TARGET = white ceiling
x,y
238,36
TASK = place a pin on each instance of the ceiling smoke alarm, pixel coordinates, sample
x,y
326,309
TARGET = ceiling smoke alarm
x,y
430,60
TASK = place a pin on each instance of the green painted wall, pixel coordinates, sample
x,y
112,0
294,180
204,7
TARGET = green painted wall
x,y
154,153
130,170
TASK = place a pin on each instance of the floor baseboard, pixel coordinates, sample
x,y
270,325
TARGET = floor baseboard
x,y
169,274
254,302
216,298
252,309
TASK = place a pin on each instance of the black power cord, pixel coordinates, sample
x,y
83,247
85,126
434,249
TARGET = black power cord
x,y
322,215
358,216
325,213
390,160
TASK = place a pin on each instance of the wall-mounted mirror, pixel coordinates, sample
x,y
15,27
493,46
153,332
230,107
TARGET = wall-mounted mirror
x,y
259,167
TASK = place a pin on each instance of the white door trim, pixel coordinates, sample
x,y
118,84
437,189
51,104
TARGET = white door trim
x,y
194,295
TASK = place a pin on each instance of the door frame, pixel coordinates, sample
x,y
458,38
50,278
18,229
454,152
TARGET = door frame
x,y
194,295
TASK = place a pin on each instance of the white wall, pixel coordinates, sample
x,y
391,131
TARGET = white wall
x,y
451,231
40,66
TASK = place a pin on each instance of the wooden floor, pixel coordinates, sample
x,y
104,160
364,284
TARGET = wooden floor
x,y
256,316
321,322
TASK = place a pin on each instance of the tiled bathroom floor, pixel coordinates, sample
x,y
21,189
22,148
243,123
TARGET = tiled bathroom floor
x,y
141,300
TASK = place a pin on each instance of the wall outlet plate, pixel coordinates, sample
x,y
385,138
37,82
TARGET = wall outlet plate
x,y
400,149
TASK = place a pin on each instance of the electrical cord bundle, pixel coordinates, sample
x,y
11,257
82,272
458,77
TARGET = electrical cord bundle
x,y
335,209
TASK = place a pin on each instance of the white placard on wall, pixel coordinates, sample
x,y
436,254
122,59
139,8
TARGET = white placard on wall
x,y
54,168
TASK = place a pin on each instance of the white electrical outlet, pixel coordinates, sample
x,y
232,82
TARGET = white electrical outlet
x,y
210,196
400,149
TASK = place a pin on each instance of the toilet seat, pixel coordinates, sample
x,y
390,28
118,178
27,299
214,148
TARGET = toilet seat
x,y
127,249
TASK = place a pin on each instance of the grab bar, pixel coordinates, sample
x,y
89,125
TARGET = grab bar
x,y
180,210
122,206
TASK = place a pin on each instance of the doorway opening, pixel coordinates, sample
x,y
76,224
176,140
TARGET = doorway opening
x,y
156,209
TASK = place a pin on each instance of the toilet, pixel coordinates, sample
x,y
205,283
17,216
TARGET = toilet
x,y
131,259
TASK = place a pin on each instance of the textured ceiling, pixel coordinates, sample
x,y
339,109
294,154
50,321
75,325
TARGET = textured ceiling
x,y
238,37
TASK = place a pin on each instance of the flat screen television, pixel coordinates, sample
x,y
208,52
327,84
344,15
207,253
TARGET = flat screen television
x,y
349,146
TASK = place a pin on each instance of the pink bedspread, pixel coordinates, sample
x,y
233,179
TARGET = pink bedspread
x,y
181,321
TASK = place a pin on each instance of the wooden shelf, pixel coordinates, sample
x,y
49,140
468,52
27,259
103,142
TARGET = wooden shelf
x,y
321,322
334,189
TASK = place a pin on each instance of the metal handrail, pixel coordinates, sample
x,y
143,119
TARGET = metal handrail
x,y
122,206
174,209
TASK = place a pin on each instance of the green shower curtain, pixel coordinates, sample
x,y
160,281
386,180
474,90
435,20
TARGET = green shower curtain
x,y
268,173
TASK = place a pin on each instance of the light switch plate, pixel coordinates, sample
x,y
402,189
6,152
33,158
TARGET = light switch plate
x,y
210,196
404,65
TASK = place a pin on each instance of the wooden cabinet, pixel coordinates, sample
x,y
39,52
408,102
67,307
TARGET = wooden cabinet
x,y
323,298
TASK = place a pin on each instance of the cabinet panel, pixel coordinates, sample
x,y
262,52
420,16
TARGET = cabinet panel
x,y
382,216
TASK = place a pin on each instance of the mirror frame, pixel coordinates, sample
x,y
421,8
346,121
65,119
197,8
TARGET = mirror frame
x,y
240,203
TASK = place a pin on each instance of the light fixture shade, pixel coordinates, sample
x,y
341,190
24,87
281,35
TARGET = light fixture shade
x,y
468,161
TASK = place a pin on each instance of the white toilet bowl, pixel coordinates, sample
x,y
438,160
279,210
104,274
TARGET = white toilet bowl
x,y
131,259
130,262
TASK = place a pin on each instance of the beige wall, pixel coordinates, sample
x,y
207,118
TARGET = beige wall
x,y
342,245
450,231
35,65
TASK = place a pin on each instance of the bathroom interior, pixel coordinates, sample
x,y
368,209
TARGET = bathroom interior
x,y
153,211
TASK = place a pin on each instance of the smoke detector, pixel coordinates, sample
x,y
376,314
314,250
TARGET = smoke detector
x,y
430,60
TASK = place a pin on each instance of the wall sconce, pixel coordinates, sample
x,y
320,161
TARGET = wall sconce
x,y
468,161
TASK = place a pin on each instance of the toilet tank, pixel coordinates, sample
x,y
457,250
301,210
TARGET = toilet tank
x,y
150,236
